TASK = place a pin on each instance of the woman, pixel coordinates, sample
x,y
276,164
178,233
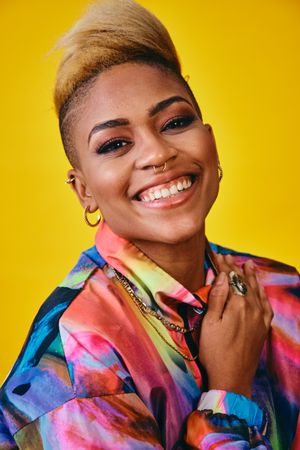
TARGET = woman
x,y
156,339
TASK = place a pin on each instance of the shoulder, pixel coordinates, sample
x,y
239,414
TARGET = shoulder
x,y
44,329
282,286
270,272
41,366
281,355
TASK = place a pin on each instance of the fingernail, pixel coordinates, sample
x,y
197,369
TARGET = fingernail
x,y
251,264
221,278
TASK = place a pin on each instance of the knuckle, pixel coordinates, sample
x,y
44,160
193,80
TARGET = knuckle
x,y
252,285
269,308
239,302
209,320
268,324
262,292
257,314
271,314
216,291
228,258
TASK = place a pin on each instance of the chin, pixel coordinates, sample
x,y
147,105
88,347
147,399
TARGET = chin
x,y
180,233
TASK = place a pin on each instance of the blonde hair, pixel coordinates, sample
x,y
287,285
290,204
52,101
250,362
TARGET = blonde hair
x,y
111,32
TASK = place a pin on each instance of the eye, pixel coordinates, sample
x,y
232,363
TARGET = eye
x,y
112,145
178,122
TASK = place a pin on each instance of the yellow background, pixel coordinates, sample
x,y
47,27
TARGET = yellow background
x,y
243,60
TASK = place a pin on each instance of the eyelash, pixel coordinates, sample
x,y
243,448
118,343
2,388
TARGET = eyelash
x,y
113,145
178,122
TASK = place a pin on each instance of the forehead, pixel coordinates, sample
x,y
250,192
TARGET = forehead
x,y
129,89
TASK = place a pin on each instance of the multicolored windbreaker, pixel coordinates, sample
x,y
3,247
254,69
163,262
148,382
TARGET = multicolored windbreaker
x,y
94,374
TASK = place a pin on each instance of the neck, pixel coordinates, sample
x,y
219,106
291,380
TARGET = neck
x,y
184,261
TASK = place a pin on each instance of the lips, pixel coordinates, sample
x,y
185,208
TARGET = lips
x,y
166,190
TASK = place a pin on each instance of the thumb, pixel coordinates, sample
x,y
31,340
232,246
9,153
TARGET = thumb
x,y
218,296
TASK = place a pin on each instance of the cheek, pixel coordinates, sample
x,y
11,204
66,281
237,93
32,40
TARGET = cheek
x,y
209,150
110,182
201,146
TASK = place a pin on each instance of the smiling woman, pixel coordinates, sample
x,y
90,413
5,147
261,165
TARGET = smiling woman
x,y
146,118
156,338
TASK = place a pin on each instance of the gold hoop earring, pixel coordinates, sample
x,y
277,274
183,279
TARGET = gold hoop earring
x,y
70,180
86,219
220,171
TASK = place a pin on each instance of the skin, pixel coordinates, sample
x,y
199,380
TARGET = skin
x,y
234,330
158,124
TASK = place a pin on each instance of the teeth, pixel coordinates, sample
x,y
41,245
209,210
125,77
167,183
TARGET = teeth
x,y
173,189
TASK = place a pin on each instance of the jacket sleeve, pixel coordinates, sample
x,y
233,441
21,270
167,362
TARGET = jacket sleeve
x,y
122,421
102,409
226,419
108,422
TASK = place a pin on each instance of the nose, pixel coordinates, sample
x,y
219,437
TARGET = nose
x,y
154,150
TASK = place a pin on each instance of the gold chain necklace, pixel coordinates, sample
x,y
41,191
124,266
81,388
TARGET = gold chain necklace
x,y
144,309
188,358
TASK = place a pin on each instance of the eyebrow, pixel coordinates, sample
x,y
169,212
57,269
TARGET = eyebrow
x,y
152,112
107,124
165,103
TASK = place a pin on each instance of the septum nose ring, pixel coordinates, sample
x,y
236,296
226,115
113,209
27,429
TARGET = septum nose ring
x,y
159,169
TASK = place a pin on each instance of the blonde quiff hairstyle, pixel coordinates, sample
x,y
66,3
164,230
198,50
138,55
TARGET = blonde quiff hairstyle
x,y
111,32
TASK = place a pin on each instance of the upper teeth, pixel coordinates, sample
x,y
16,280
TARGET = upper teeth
x,y
165,192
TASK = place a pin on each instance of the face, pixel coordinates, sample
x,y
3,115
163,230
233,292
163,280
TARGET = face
x,y
137,117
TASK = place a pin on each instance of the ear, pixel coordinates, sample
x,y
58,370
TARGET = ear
x,y
210,131
82,190
209,128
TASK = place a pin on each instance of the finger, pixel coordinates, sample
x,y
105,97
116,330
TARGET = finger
x,y
267,308
224,263
229,259
253,294
254,283
249,271
256,292
220,262
227,264
234,270
218,297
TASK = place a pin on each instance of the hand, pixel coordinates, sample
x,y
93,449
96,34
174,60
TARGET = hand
x,y
234,329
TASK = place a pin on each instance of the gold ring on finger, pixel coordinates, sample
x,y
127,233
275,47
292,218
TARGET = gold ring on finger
x,y
238,285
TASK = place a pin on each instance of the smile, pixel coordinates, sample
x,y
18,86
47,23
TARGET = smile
x,y
167,190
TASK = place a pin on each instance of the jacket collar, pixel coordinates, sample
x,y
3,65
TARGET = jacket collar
x,y
149,281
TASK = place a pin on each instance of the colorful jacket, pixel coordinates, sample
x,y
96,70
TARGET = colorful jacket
x,y
95,374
